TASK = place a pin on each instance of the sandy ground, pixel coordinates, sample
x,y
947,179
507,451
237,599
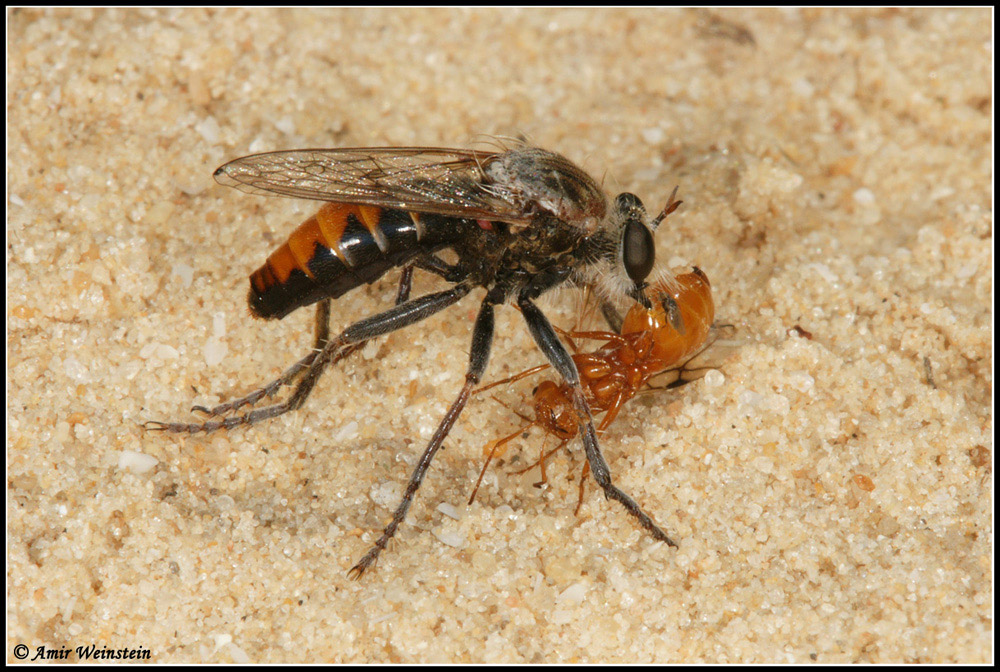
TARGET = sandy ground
x,y
830,487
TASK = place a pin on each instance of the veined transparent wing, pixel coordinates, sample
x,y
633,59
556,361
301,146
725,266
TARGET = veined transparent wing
x,y
420,179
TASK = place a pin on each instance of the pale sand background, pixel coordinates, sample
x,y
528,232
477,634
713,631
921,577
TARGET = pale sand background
x,y
831,503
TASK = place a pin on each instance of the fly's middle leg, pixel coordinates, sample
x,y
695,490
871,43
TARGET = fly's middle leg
x,y
602,474
479,355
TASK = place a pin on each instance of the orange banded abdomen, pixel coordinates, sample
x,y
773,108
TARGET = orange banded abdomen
x,y
342,246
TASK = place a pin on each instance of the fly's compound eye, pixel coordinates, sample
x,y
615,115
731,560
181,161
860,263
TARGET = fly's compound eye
x,y
638,251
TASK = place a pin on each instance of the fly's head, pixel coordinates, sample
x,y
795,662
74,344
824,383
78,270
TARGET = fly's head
x,y
631,255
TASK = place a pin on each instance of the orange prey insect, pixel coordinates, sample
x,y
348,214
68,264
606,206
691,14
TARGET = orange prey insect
x,y
649,343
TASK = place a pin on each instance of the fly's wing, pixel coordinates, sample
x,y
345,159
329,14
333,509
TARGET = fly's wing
x,y
420,179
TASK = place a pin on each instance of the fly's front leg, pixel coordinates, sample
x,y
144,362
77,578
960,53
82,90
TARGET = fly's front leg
x,y
307,370
479,355
612,316
545,336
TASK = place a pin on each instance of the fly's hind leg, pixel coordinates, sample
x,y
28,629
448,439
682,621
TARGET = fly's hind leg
x,y
307,370
390,320
322,331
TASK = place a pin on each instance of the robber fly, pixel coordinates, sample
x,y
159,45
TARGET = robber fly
x,y
519,222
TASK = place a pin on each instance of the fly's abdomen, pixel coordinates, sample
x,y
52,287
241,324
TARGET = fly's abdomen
x,y
339,248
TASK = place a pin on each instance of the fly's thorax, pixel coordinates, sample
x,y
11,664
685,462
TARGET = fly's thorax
x,y
538,181
549,245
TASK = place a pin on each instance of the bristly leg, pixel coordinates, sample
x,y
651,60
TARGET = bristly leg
x,y
322,335
545,336
479,355
307,370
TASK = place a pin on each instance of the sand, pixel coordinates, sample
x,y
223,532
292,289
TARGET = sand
x,y
830,484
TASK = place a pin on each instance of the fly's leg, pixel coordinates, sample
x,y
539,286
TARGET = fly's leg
x,y
479,355
322,331
545,336
309,379
612,316
322,335
306,364
583,483
331,352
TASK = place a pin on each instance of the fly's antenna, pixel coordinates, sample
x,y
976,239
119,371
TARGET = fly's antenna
x,y
667,209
